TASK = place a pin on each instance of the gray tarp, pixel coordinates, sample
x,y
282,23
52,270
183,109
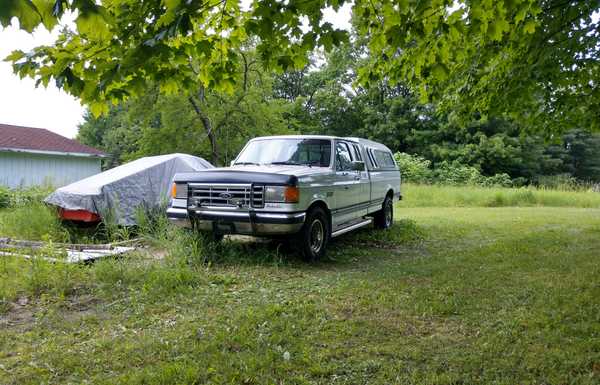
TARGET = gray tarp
x,y
120,192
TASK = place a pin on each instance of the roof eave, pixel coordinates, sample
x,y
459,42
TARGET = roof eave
x,y
59,153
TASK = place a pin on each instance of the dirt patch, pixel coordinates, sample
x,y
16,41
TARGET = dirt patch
x,y
20,314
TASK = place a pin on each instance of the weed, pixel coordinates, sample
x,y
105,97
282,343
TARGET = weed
x,y
32,222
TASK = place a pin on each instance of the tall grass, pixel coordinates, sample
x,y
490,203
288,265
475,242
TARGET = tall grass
x,y
33,221
470,196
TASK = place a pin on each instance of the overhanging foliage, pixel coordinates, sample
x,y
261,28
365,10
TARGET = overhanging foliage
x,y
534,60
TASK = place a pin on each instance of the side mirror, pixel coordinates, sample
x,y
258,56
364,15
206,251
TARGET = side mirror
x,y
358,166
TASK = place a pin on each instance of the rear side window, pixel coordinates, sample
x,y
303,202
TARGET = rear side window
x,y
384,159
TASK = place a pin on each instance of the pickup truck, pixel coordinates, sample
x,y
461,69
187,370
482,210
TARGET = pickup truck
x,y
305,188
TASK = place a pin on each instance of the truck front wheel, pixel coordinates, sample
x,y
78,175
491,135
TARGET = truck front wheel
x,y
314,235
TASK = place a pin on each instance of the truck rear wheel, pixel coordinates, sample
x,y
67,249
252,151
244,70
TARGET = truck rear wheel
x,y
314,235
384,218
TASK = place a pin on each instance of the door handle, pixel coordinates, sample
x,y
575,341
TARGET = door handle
x,y
357,177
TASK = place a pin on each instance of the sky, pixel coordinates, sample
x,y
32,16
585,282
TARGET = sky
x,y
22,104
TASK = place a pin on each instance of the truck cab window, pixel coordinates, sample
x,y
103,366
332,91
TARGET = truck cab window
x,y
372,158
357,154
343,159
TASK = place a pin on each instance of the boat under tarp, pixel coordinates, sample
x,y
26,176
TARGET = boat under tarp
x,y
120,193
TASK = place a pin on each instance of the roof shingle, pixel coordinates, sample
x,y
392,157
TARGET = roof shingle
x,y
39,139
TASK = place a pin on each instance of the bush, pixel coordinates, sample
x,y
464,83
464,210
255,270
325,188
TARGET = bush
x,y
33,222
498,180
558,182
414,168
22,197
457,174
5,197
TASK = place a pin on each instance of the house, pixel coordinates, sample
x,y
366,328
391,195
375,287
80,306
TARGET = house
x,y
35,156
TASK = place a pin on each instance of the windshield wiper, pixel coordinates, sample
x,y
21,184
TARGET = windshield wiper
x,y
246,163
288,162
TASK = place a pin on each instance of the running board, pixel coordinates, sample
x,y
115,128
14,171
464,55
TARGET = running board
x,y
351,227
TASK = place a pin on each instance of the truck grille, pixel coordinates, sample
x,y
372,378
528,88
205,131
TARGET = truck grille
x,y
220,195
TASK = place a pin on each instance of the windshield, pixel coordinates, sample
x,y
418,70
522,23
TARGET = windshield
x,y
313,152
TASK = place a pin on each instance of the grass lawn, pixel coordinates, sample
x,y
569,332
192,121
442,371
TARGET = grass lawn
x,y
450,295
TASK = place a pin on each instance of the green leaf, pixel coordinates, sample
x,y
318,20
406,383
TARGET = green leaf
x,y
15,56
403,6
169,16
497,29
522,13
98,108
439,71
92,24
169,86
24,10
46,10
530,26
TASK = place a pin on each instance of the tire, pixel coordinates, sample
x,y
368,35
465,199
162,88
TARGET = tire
x,y
314,235
384,218
208,236
211,237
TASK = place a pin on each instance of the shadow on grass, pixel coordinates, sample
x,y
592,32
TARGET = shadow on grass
x,y
283,252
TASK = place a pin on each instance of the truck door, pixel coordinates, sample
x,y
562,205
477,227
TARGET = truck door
x,y
347,187
363,179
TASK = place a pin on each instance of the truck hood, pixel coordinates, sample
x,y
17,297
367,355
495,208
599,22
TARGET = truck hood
x,y
274,175
278,169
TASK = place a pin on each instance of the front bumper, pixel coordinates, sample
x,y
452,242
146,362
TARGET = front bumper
x,y
238,222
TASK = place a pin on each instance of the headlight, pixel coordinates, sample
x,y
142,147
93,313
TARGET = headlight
x,y
284,194
179,190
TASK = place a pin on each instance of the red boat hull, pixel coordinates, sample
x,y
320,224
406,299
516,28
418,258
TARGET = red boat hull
x,y
78,215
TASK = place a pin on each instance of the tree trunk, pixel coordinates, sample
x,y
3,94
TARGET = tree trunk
x,y
206,123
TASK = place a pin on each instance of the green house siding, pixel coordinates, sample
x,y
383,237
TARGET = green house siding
x,y
22,169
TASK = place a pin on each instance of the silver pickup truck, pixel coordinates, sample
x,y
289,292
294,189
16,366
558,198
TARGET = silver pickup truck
x,y
311,188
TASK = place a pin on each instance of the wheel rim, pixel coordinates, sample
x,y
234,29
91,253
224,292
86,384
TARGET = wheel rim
x,y
389,213
317,235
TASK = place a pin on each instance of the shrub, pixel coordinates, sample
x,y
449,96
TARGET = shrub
x,y
498,180
558,182
457,174
22,197
5,198
33,222
414,168
30,195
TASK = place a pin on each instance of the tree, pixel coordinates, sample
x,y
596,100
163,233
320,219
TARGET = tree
x,y
112,132
119,46
582,155
534,60
158,124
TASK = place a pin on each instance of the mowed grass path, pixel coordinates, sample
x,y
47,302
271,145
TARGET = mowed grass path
x,y
451,295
